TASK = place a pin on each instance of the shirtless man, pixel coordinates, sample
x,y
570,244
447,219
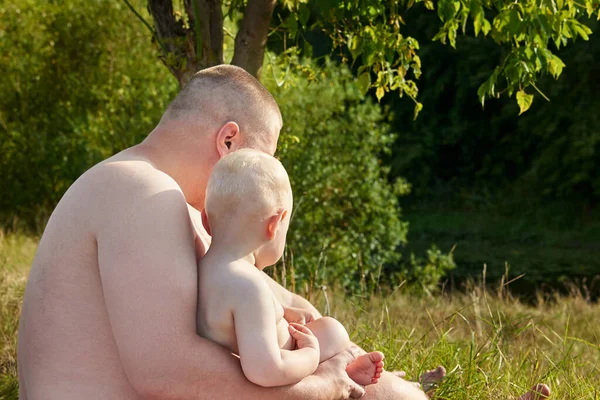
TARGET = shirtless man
x,y
110,304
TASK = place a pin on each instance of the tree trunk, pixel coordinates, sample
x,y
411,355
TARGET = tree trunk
x,y
188,50
251,39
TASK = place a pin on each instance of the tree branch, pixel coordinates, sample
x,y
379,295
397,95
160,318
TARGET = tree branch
x,y
170,33
251,39
188,50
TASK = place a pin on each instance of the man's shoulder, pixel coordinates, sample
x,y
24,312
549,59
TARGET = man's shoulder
x,y
128,176
121,190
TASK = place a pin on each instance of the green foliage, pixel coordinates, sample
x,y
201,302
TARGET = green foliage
x,y
545,247
428,272
346,222
373,35
549,153
79,84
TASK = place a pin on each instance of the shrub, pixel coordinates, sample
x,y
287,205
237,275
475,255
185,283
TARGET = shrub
x,y
346,222
80,82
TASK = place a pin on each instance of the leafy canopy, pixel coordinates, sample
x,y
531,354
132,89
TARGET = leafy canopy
x,y
368,33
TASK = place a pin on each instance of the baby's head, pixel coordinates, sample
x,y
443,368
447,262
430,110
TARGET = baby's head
x,y
249,200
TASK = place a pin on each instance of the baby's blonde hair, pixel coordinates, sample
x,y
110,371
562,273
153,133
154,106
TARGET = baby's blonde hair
x,y
247,181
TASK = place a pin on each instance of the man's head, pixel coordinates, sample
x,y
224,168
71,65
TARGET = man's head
x,y
222,109
229,100
249,197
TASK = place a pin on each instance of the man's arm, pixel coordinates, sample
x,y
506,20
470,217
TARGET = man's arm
x,y
289,299
148,271
263,361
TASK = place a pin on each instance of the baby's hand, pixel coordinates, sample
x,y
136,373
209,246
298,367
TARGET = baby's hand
x,y
298,315
303,337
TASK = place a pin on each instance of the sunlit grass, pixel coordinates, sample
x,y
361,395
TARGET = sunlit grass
x,y
493,346
16,255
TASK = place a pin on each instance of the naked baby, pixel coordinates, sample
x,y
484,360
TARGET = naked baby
x,y
247,212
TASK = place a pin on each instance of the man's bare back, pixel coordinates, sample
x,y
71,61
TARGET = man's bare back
x,y
64,321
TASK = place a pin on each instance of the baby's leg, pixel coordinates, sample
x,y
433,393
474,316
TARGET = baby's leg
x,y
333,338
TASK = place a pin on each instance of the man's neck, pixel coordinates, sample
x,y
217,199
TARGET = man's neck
x,y
183,162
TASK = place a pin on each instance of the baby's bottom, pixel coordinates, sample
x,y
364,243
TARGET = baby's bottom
x,y
333,338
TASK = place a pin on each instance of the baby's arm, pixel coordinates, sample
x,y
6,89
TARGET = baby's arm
x,y
263,362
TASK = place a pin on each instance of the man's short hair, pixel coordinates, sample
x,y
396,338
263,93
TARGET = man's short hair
x,y
247,181
226,93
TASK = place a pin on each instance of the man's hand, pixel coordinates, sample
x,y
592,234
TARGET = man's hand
x,y
333,371
299,315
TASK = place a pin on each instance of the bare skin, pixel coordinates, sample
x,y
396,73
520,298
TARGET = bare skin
x,y
101,320
109,308
333,338
537,392
236,308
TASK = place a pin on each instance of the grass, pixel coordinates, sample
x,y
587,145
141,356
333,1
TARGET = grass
x,y
16,256
493,345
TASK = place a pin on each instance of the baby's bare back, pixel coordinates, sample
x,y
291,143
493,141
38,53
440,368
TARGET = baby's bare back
x,y
217,298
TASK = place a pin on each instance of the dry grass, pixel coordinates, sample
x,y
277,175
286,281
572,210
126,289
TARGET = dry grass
x,y
16,256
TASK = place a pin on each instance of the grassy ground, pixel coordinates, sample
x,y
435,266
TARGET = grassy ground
x,y
493,346
16,256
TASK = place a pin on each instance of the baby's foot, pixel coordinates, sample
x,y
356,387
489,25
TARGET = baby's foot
x,y
430,378
366,369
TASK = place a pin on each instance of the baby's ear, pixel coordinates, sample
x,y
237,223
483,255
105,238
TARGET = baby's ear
x,y
273,223
205,222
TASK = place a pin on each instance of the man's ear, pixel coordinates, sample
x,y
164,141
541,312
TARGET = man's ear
x,y
228,138
273,223
205,222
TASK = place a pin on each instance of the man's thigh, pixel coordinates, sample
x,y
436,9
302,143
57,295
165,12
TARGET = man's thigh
x,y
391,387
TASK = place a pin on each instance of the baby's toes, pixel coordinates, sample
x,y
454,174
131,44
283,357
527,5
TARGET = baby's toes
x,y
376,357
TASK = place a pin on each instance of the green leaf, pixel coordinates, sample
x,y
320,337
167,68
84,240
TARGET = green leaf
x,y
291,24
524,100
582,30
364,82
555,66
303,14
379,93
481,92
355,46
589,8
418,108
486,27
